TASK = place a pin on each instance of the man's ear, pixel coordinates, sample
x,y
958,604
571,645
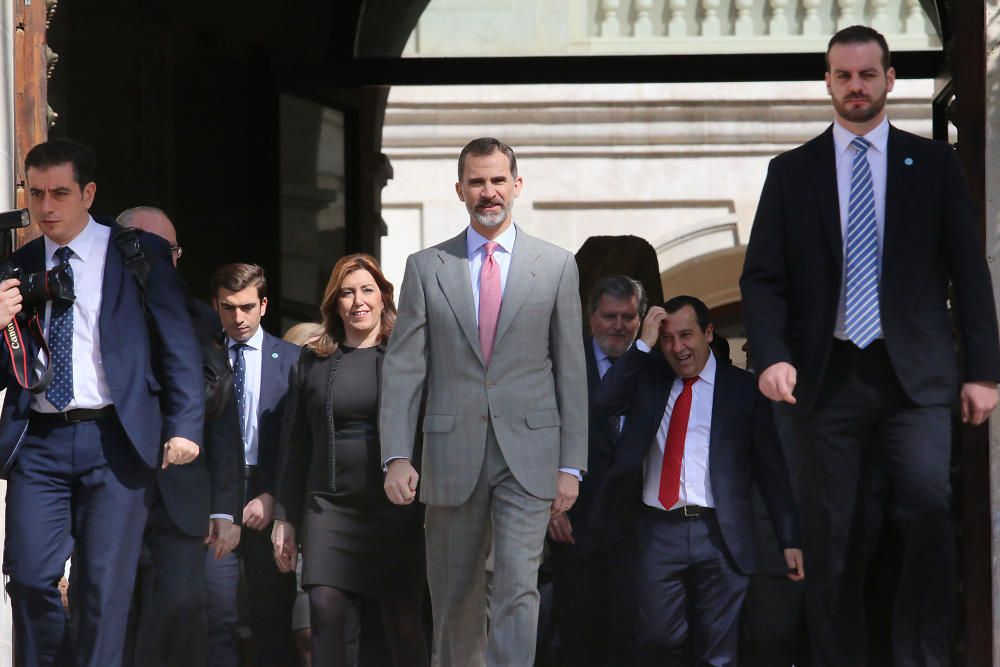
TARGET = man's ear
x,y
458,190
89,190
263,306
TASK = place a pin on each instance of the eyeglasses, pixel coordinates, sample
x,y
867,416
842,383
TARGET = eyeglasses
x,y
177,251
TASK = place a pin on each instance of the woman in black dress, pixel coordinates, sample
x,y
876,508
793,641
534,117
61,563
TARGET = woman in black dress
x,y
330,496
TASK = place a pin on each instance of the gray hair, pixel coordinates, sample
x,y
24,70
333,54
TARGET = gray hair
x,y
618,287
125,217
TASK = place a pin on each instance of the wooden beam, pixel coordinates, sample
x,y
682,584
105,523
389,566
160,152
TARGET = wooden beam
x,y
31,71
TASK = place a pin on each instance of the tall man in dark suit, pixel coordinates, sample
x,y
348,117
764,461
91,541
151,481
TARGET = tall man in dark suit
x,y
845,288
190,506
592,576
81,454
697,433
262,365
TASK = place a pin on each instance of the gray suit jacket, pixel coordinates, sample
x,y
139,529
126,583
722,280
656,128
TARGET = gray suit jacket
x,y
534,392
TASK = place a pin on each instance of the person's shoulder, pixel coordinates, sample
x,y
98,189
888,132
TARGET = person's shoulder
x,y
915,143
526,240
795,156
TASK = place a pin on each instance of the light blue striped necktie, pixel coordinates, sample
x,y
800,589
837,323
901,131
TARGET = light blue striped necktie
x,y
862,323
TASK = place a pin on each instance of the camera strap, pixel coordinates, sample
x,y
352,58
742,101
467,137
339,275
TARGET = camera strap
x,y
15,341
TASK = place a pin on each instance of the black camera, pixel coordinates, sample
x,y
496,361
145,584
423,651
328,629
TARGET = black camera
x,y
36,288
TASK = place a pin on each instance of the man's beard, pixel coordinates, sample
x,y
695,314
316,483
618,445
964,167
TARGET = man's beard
x,y
860,114
491,219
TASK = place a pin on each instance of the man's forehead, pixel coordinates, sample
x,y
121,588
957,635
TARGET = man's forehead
x,y
615,303
481,166
245,297
53,177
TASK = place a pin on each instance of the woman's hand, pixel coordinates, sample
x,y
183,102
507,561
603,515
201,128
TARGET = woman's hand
x,y
286,549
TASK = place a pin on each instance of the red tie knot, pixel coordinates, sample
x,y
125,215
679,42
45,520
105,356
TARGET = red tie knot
x,y
689,381
490,247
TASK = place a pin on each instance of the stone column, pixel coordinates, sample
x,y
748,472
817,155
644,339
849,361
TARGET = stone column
x,y
993,253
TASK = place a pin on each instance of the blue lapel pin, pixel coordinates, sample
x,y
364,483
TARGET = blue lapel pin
x,y
908,161
274,355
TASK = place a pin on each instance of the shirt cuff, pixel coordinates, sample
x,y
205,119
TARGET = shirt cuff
x,y
639,343
385,465
227,517
572,471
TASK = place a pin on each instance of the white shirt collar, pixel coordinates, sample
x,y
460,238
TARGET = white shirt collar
x,y
474,240
878,137
81,245
707,374
255,342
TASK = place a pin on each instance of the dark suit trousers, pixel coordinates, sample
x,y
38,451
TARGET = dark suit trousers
x,y
270,594
167,626
594,603
863,416
81,489
689,592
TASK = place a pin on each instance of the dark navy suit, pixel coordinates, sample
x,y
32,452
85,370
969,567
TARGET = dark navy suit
x,y
743,447
270,593
80,487
594,597
168,624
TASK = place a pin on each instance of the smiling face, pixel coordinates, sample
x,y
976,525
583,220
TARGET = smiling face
x,y
858,85
488,190
240,312
57,203
359,304
683,343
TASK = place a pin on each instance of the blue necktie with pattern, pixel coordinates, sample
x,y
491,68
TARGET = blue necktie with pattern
x,y
239,383
862,323
60,390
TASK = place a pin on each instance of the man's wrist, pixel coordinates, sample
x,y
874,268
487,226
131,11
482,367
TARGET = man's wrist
x,y
642,346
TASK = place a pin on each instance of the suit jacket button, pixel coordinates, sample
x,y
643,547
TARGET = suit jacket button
x,y
483,418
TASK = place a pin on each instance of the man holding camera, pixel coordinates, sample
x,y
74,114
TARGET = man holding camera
x,y
80,454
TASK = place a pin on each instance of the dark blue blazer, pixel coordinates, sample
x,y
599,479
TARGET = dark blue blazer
x,y
152,407
600,453
932,239
278,359
743,447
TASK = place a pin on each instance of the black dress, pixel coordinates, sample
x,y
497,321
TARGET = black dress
x,y
352,537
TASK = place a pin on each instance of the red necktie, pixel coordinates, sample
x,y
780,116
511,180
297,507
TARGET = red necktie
x,y
673,452
489,301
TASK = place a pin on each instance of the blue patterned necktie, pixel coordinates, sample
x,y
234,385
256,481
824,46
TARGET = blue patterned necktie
x,y
862,323
60,391
239,384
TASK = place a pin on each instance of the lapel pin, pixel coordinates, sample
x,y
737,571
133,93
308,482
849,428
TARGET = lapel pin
x,y
908,161
274,355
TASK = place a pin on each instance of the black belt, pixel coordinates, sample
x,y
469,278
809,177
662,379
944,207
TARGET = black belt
x,y
75,416
249,471
684,512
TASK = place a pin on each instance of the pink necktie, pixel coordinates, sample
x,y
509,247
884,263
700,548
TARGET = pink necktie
x,y
489,301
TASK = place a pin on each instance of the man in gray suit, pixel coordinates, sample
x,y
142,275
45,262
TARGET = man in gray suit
x,y
488,331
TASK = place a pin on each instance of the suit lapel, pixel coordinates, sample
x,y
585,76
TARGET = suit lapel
x,y
824,177
268,369
897,186
114,273
456,284
520,281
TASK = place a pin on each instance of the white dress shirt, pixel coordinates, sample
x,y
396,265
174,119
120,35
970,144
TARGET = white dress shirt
x,y
876,154
477,255
90,385
696,483
251,390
